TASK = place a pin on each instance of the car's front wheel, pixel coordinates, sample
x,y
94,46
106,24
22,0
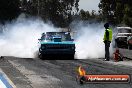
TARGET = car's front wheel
x,y
40,56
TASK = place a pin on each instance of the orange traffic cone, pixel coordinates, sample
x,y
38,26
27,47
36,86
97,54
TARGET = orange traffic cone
x,y
116,55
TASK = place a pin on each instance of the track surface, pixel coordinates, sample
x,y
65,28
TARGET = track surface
x,y
36,73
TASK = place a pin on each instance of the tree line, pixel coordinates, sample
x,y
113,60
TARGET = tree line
x,y
116,11
59,12
62,12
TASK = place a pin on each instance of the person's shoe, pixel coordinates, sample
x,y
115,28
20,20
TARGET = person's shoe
x,y
106,60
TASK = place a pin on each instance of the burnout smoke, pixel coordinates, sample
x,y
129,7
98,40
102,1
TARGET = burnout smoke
x,y
89,42
20,38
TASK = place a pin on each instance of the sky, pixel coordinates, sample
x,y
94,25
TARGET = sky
x,y
89,5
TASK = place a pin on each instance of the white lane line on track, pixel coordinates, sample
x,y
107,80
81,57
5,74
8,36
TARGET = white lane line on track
x,y
2,85
5,82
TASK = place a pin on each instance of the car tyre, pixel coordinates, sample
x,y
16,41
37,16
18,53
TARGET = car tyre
x,y
40,56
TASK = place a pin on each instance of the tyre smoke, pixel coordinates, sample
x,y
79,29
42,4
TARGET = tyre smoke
x,y
20,38
89,41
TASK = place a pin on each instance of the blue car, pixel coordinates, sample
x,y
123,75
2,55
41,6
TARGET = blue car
x,y
56,44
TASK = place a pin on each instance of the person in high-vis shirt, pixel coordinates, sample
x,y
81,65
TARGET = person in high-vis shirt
x,y
107,40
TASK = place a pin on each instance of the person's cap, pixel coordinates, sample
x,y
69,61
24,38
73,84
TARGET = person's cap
x,y
106,25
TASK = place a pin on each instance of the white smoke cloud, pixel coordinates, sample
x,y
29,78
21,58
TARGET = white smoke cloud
x,y
20,38
89,43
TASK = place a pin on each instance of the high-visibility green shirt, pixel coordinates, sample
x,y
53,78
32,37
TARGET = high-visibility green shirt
x,y
108,35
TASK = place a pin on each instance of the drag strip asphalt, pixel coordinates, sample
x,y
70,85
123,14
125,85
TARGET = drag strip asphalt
x,y
36,73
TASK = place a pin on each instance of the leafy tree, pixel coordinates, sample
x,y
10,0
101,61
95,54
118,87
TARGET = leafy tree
x,y
85,15
9,9
90,16
58,11
116,11
127,18
107,10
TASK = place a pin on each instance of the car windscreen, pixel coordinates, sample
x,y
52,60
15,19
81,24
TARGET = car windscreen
x,y
123,30
50,35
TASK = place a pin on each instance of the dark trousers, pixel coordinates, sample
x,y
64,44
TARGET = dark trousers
x,y
107,53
